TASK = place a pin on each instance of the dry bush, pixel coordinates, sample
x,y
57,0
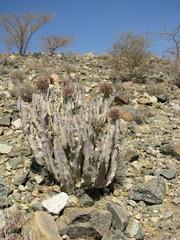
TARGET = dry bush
x,y
25,91
69,68
52,43
155,89
17,76
20,29
130,55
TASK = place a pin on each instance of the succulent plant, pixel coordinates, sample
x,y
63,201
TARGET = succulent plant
x,y
65,140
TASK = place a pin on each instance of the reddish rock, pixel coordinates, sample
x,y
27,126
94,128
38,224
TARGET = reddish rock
x,y
121,100
54,79
127,116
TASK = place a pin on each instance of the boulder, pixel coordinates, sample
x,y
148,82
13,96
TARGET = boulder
x,y
172,148
56,203
152,191
84,222
120,215
42,227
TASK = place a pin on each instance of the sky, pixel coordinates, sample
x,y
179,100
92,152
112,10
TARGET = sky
x,y
94,24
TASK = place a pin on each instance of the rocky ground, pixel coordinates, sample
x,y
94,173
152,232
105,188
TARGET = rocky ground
x,y
146,202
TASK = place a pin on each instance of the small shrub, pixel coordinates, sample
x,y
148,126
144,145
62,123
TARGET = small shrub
x,y
69,68
156,89
25,91
106,88
17,76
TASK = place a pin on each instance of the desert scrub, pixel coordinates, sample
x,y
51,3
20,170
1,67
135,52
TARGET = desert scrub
x,y
74,139
17,76
130,56
155,89
25,91
42,84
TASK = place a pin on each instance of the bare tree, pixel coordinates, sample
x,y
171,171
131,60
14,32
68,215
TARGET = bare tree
x,y
173,37
52,43
20,28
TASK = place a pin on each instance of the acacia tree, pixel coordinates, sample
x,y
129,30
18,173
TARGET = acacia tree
x,y
52,43
20,28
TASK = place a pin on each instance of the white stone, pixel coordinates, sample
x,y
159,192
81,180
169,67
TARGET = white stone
x,y
56,203
4,148
39,179
17,124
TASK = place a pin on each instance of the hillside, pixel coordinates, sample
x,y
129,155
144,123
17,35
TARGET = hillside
x,y
142,203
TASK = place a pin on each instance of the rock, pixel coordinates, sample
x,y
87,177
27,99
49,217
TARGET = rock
x,y
147,100
120,100
20,179
42,227
131,155
17,124
5,121
84,222
134,229
152,191
5,202
15,162
5,148
120,215
39,179
126,116
115,235
86,200
169,173
4,190
56,203
54,79
143,129
37,206
172,148
162,98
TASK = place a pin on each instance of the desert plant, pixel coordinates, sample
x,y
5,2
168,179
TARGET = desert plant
x,y
25,91
106,88
42,84
20,29
129,54
52,43
65,140
17,76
